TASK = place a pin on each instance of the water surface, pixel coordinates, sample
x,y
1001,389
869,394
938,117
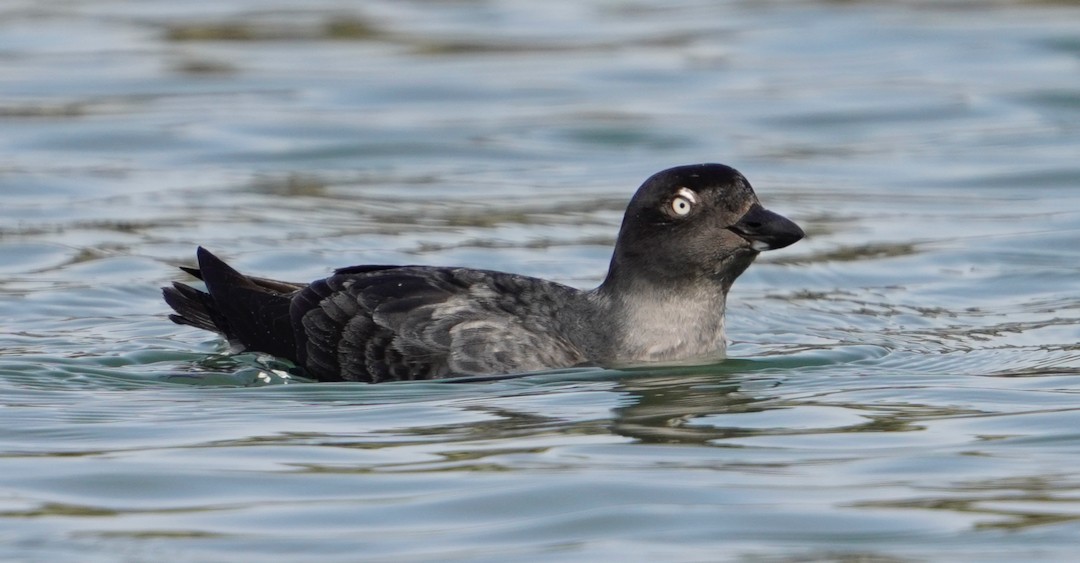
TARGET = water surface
x,y
903,384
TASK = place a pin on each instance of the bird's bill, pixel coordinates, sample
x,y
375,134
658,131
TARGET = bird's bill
x,y
765,230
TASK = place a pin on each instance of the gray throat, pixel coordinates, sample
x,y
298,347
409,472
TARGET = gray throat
x,y
650,323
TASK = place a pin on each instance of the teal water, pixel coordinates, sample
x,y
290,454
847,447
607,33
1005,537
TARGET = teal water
x,y
904,384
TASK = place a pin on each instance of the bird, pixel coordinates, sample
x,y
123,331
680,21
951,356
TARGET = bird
x,y
687,234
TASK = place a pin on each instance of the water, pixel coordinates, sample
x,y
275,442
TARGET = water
x,y
905,383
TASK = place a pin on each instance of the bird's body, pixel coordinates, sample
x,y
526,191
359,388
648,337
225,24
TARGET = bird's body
x,y
688,233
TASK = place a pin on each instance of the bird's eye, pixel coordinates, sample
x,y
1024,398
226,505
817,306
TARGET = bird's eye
x,y
681,206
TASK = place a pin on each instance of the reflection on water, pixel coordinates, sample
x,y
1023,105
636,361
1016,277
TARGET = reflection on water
x,y
904,383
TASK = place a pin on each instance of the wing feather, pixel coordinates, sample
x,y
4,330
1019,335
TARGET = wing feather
x,y
420,323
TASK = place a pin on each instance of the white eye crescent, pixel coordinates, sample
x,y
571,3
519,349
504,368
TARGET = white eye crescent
x,y
684,201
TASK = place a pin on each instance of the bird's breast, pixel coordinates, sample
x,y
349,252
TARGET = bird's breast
x,y
672,328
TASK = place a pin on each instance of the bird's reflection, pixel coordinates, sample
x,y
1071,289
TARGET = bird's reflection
x,y
661,408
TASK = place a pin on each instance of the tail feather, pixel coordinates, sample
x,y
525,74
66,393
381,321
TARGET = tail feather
x,y
266,283
252,313
191,305
192,271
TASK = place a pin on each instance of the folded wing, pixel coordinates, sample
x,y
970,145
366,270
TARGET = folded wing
x,y
392,323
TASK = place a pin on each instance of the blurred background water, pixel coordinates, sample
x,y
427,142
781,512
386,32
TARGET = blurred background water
x,y
904,385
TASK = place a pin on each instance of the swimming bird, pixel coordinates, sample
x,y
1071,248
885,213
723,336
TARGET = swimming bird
x,y
687,234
